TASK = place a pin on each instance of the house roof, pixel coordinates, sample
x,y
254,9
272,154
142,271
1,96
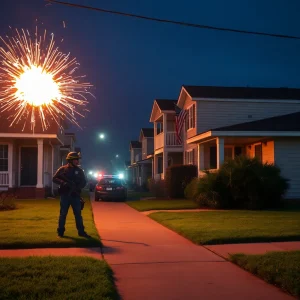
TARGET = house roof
x,y
148,132
242,92
166,104
289,122
135,144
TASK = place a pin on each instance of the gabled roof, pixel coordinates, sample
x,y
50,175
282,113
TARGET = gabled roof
x,y
166,104
135,145
148,132
242,92
162,105
289,122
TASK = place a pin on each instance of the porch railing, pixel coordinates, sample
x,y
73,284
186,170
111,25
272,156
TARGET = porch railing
x,y
4,179
171,140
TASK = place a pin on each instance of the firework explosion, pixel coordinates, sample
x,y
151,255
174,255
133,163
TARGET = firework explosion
x,y
36,77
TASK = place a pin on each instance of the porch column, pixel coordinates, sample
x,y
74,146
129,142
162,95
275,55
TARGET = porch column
x,y
10,165
40,143
165,163
154,138
155,165
152,167
220,152
165,128
200,158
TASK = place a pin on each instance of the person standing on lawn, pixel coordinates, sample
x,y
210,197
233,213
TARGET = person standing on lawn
x,y
71,180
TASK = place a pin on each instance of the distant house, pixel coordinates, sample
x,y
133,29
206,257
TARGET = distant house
x,y
141,164
68,146
135,149
224,122
28,160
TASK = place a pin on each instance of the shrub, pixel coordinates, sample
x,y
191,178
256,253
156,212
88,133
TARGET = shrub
x,y
177,179
7,201
157,187
240,183
212,192
191,190
252,184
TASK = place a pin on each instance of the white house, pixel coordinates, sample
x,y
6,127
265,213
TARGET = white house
x,y
223,122
28,160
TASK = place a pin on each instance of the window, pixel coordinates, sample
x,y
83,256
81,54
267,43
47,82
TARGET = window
x,y
189,157
159,128
213,157
110,181
258,152
238,151
3,158
190,118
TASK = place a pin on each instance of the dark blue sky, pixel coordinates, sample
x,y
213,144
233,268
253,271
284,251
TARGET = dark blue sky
x,y
131,62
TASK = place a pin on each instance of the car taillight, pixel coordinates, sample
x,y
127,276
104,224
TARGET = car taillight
x,y
99,188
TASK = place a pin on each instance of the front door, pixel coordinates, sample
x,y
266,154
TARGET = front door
x,y
28,166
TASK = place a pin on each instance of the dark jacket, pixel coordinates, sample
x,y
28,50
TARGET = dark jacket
x,y
70,174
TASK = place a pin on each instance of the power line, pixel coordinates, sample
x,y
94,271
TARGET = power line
x,y
176,22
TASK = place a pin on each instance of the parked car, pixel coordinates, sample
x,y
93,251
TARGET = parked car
x,y
110,189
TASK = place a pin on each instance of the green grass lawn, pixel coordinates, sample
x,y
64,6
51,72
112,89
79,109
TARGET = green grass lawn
x,y
56,278
225,227
33,225
279,268
145,205
134,196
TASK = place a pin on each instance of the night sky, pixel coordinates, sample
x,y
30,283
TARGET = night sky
x,y
131,62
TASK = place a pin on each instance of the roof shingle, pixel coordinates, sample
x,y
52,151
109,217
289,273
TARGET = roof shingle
x,y
289,122
242,92
135,144
148,132
166,104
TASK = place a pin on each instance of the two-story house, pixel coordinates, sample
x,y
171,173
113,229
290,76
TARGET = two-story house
x,y
167,149
223,122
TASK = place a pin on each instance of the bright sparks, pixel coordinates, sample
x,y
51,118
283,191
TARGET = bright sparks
x,y
36,76
36,87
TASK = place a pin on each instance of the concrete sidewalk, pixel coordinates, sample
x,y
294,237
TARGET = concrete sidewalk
x,y
153,262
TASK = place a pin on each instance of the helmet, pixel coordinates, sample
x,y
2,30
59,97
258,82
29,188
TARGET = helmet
x,y
73,155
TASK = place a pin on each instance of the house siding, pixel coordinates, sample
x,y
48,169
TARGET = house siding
x,y
287,159
213,114
192,131
144,148
150,145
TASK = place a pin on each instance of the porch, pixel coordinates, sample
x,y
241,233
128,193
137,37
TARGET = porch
x,y
212,153
27,164
165,133
163,160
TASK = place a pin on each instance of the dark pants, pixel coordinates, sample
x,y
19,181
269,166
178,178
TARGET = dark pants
x,y
65,202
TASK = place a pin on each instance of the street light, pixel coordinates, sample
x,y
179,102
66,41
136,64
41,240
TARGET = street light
x,y
117,155
101,136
